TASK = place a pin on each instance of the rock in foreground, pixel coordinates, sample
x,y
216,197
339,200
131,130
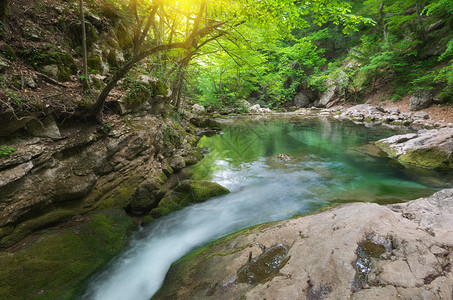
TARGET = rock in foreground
x,y
355,251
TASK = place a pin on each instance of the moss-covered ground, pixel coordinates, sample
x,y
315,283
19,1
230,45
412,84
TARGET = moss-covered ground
x,y
56,263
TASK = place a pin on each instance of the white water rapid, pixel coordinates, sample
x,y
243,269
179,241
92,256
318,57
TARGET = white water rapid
x,y
259,194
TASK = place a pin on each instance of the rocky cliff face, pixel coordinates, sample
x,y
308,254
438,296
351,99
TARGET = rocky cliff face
x,y
48,180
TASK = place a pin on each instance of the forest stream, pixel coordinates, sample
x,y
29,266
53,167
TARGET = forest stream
x,y
275,168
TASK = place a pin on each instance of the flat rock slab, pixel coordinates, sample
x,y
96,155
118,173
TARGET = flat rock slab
x,y
412,257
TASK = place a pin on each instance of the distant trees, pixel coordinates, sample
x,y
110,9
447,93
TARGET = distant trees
x,y
190,25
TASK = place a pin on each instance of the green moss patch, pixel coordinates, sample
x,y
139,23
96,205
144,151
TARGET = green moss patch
x,y
188,192
29,226
94,63
57,264
386,148
39,57
118,197
428,158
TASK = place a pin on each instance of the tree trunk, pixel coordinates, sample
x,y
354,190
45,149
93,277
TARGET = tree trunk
x,y
178,89
84,76
420,33
382,22
3,9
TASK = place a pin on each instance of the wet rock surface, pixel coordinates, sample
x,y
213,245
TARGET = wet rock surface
x,y
405,251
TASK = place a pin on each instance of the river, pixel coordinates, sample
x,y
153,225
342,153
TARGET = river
x,y
321,162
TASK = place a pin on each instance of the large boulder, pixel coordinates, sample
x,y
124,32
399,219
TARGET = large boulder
x,y
364,112
301,100
355,251
431,149
335,86
420,100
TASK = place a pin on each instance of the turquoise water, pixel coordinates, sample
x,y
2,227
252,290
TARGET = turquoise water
x,y
329,162
340,155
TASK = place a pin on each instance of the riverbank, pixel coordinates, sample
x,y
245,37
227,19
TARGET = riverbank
x,y
354,251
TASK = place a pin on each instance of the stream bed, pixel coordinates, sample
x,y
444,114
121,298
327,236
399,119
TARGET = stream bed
x,y
275,168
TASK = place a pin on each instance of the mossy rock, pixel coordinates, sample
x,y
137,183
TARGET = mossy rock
x,y
8,51
124,37
39,57
74,32
386,148
28,227
51,71
112,59
136,96
147,196
63,76
117,194
204,122
61,259
161,89
194,156
188,192
95,63
68,62
431,158
6,230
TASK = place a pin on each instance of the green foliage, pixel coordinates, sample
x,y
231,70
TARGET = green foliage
x,y
448,52
445,76
439,7
11,95
106,127
396,53
94,64
6,150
